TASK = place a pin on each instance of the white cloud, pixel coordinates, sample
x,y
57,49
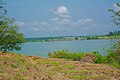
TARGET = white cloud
x,y
19,23
58,24
62,21
86,21
116,7
37,25
62,11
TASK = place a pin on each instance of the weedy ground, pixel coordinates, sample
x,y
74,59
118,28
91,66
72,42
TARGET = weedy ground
x,y
20,67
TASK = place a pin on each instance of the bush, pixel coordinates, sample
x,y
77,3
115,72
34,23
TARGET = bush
x,y
77,56
99,58
113,56
66,55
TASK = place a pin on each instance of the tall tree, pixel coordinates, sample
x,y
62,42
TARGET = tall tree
x,y
3,11
10,37
116,12
114,55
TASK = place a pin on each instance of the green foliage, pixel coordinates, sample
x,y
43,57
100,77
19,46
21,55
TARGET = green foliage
x,y
113,57
3,11
77,56
115,33
99,58
116,15
66,55
91,37
10,37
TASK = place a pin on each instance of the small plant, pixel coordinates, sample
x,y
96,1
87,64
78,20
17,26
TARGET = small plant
x,y
75,71
13,66
67,55
86,77
113,56
99,58
35,58
66,67
51,62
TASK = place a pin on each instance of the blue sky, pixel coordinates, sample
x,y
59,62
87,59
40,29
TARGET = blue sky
x,y
41,18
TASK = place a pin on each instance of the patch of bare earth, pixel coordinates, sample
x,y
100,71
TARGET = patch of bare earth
x,y
20,67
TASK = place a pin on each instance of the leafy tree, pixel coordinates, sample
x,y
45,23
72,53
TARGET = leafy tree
x,y
10,37
113,56
116,16
3,11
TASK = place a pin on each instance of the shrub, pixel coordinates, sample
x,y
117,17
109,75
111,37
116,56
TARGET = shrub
x,y
99,58
66,55
113,56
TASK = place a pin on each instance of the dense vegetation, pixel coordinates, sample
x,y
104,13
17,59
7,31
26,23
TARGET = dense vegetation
x,y
114,53
10,37
115,33
116,14
67,55
112,58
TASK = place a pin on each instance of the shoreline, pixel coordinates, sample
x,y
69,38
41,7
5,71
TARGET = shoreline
x,y
75,40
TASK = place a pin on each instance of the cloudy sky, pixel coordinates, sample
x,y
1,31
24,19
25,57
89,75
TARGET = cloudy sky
x,y
40,18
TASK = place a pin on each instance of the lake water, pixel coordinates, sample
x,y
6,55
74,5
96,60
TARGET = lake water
x,y
43,48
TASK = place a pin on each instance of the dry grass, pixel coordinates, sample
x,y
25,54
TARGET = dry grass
x,y
20,67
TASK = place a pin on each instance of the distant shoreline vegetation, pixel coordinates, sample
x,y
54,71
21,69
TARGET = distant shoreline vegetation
x,y
110,35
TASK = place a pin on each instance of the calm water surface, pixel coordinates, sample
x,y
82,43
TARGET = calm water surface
x,y
43,48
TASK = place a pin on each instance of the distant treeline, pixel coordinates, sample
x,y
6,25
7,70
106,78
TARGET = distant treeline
x,y
115,34
42,39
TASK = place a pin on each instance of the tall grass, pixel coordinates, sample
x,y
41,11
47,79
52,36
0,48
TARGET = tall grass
x,y
112,58
76,56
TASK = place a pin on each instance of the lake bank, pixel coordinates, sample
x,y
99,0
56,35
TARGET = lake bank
x,y
16,67
70,38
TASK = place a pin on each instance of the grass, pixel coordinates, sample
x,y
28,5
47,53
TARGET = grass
x,y
20,67
65,67
51,62
87,77
67,55
75,71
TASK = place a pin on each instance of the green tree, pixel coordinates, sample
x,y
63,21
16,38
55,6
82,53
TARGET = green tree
x,y
10,37
116,16
3,11
113,56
